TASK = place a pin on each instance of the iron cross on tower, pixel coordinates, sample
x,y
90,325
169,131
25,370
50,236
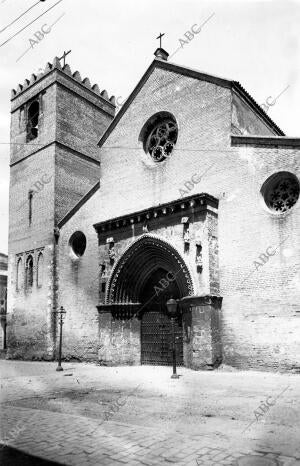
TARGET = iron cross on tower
x,y
159,37
64,56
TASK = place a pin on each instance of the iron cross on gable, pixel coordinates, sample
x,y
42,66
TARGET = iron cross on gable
x,y
159,37
64,56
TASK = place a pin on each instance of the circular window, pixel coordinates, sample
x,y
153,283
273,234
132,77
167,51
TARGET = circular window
x,y
162,139
78,243
159,136
281,192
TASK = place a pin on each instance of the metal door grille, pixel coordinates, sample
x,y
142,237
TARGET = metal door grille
x,y
156,340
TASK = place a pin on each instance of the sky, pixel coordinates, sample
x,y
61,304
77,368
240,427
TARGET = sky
x,y
112,43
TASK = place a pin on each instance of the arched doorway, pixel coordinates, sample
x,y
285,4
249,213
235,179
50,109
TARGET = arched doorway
x,y
149,273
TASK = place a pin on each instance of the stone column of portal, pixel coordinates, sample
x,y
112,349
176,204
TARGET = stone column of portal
x,y
201,326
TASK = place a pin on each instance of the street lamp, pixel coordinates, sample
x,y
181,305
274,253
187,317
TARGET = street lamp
x,y
172,312
61,312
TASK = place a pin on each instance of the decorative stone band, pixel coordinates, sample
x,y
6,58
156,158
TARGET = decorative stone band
x,y
277,141
203,201
120,310
201,300
123,310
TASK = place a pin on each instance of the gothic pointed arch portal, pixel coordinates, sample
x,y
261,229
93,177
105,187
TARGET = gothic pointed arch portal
x,y
149,273
138,263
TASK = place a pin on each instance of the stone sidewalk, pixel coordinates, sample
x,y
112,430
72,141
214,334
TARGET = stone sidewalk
x,y
91,415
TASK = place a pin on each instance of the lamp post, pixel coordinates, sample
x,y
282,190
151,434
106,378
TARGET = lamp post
x,y
61,313
172,312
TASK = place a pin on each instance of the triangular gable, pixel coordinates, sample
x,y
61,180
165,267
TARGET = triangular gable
x,y
234,85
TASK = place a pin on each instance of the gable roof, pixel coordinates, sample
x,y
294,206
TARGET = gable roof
x,y
166,65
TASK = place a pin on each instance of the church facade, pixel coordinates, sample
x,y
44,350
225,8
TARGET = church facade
x,y
189,192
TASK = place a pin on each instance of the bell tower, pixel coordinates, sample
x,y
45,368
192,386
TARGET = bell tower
x,y
57,119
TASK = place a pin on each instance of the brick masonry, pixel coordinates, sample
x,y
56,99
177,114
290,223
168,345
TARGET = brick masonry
x,y
259,324
60,165
3,299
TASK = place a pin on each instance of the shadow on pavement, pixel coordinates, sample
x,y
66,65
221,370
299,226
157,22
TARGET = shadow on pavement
x,y
12,457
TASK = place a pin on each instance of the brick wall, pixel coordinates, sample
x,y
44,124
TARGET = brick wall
x,y
60,166
73,179
79,278
245,120
78,288
29,313
252,337
259,323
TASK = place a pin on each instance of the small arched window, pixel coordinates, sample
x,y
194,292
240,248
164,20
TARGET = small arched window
x,y
30,197
40,270
19,274
33,120
29,272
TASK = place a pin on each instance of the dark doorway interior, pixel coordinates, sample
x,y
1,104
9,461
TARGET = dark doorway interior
x,y
156,330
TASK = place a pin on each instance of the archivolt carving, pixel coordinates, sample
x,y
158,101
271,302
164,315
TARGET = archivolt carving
x,y
169,255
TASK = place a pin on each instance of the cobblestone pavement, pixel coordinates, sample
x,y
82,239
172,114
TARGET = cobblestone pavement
x,y
32,422
74,440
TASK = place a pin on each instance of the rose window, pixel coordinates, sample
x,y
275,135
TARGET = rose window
x,y
282,192
161,140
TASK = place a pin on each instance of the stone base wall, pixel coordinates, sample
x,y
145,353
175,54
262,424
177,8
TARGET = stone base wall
x,y
202,338
120,341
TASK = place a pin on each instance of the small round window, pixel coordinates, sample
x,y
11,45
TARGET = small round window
x,y
281,192
78,243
